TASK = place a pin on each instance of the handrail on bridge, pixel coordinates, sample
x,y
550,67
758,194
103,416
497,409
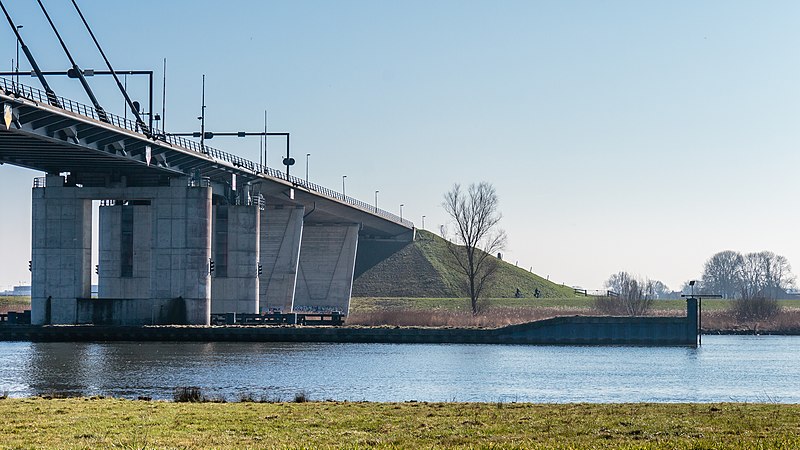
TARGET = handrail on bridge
x,y
11,87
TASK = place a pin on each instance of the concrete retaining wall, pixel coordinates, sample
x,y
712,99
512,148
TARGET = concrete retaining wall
x,y
650,331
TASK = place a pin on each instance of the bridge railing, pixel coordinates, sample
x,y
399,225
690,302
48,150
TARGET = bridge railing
x,y
20,90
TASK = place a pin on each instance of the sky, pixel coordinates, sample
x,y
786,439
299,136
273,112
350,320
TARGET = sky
x,y
619,135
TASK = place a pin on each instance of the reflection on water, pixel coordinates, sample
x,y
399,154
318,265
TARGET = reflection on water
x,y
725,368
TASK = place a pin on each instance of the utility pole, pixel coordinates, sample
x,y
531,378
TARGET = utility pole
x,y
202,117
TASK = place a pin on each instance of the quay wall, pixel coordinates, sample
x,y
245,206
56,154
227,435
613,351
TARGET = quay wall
x,y
577,330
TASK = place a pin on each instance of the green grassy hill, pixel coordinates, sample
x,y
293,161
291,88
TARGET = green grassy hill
x,y
425,268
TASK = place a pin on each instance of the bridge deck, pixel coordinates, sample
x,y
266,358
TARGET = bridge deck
x,y
72,138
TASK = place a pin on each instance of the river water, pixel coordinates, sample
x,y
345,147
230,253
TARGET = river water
x,y
725,368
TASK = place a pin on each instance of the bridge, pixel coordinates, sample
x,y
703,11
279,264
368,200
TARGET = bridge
x,y
185,230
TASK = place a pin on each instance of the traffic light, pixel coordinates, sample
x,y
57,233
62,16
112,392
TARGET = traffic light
x,y
97,269
30,266
210,266
260,269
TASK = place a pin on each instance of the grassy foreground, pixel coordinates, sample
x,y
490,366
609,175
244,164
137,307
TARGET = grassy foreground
x,y
95,423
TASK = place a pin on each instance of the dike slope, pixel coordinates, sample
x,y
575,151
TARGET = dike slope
x,y
425,269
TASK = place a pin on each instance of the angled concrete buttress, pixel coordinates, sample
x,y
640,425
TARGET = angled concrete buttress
x,y
235,252
281,233
327,263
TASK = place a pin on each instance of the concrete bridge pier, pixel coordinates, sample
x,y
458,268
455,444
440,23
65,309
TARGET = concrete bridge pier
x,y
61,253
235,252
327,264
155,249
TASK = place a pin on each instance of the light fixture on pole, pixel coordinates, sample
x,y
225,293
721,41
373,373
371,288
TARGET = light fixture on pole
x,y
376,201
307,155
344,194
699,300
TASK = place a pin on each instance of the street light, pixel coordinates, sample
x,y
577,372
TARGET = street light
x,y
401,211
423,222
19,27
307,155
343,192
376,201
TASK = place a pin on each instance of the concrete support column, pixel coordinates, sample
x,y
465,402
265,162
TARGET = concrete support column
x,y
61,253
181,251
327,263
281,233
235,252
125,251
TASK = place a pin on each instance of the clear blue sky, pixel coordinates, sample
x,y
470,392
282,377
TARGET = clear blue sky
x,y
620,135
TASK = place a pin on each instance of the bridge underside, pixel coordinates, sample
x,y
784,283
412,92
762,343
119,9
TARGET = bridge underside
x,y
183,233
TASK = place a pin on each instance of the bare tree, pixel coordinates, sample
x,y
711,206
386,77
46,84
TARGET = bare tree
x,y
635,296
722,274
765,274
475,215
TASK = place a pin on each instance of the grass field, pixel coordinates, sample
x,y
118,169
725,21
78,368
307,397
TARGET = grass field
x,y
462,304
106,423
8,303
455,312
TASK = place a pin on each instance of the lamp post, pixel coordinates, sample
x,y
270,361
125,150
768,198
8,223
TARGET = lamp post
x,y
202,118
344,194
423,222
401,211
19,27
307,155
376,201
699,314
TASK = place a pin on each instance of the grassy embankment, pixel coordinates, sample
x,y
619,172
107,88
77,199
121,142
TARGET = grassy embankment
x,y
17,304
106,423
717,314
420,285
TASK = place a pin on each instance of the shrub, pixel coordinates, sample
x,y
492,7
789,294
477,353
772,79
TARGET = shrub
x,y
188,394
755,308
301,397
611,306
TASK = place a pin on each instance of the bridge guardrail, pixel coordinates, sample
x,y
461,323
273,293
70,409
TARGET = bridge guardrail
x,y
20,90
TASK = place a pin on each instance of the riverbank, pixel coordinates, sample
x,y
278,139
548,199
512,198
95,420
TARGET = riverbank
x,y
105,423
717,318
